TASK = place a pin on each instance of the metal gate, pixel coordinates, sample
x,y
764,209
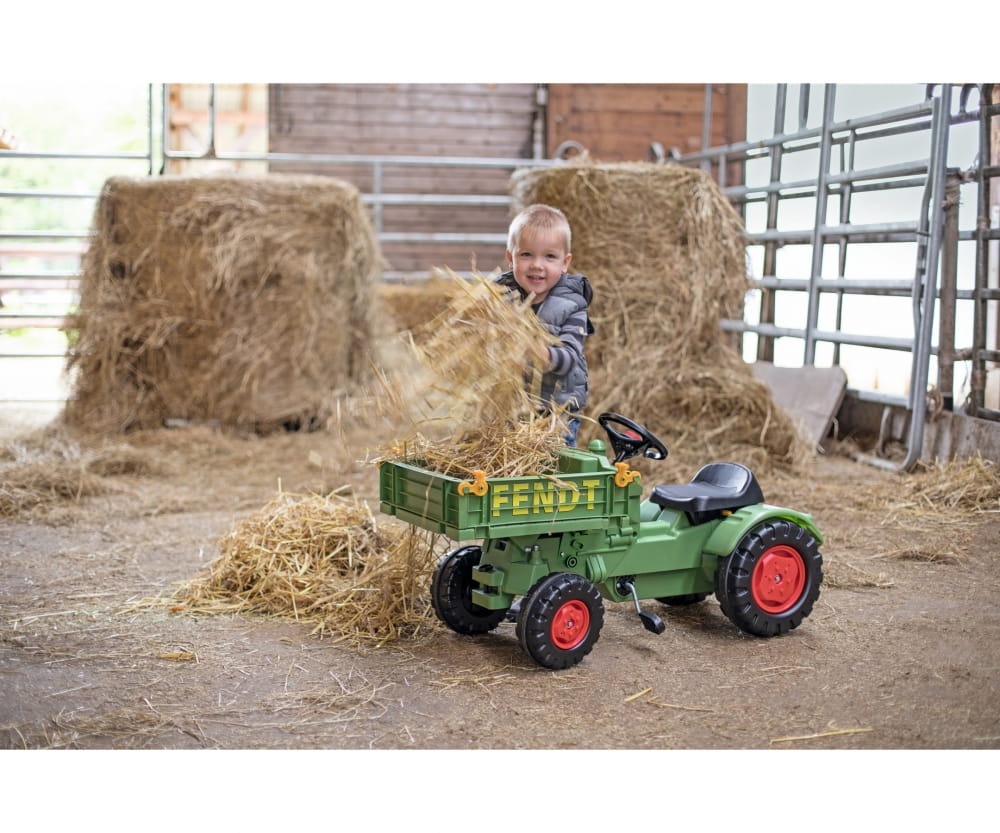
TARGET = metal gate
x,y
934,229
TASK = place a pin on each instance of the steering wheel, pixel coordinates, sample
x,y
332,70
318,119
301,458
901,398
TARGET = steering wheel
x,y
632,441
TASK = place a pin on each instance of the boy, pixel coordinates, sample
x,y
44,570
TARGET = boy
x,y
538,251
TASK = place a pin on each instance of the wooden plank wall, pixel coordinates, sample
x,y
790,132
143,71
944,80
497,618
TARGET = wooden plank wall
x,y
618,122
480,120
615,122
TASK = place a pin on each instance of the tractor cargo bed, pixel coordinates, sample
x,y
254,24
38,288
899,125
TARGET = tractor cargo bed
x,y
582,496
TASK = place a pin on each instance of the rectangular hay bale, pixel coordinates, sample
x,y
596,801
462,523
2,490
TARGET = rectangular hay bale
x,y
246,300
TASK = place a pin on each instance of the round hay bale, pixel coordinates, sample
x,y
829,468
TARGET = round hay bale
x,y
665,252
246,301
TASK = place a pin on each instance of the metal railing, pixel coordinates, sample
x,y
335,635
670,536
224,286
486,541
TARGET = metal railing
x,y
35,251
933,230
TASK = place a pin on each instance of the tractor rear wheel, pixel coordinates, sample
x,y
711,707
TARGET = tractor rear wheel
x,y
560,620
770,582
451,594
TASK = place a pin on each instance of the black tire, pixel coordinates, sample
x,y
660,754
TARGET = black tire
x,y
451,594
771,581
684,600
560,620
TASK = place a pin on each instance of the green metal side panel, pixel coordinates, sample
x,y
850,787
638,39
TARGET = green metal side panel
x,y
583,498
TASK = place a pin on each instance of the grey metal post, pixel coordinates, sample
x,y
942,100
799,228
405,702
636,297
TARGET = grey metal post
x,y
210,150
765,344
538,128
977,386
818,236
804,90
949,283
164,128
922,347
706,129
149,128
846,190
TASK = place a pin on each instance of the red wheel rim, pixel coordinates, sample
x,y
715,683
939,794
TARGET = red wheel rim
x,y
570,625
778,579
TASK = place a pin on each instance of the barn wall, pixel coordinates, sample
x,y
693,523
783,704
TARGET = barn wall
x,y
615,122
442,120
618,122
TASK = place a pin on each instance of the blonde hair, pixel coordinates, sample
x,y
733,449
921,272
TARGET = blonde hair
x,y
538,216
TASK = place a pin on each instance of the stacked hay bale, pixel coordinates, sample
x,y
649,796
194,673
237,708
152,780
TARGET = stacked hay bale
x,y
248,301
665,252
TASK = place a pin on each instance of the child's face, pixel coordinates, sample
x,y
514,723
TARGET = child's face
x,y
539,259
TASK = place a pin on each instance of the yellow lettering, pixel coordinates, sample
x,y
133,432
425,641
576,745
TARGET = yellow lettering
x,y
568,498
519,499
543,497
500,498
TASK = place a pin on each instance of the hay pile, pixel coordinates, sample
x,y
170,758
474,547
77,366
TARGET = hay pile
x,y
479,349
323,560
959,486
477,405
665,252
248,301
508,448
50,466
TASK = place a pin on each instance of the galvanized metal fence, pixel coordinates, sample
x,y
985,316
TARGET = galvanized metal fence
x,y
934,229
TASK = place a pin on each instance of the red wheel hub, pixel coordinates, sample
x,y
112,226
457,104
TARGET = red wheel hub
x,y
570,625
778,579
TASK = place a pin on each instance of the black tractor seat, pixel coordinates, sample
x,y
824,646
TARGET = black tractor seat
x,y
716,487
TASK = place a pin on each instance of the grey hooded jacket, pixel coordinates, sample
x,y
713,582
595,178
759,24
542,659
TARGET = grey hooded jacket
x,y
564,313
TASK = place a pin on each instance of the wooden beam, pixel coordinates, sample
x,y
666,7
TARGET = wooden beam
x,y
242,118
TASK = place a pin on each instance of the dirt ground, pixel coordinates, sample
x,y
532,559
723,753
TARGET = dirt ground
x,y
902,651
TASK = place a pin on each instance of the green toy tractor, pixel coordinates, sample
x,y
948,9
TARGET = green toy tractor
x,y
554,547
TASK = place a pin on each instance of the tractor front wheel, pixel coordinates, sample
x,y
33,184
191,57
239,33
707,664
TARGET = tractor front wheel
x,y
451,594
560,620
770,582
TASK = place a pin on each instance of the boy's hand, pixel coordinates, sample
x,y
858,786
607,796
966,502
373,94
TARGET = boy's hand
x,y
540,354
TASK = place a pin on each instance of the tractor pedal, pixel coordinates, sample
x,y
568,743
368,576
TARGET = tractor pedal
x,y
650,621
